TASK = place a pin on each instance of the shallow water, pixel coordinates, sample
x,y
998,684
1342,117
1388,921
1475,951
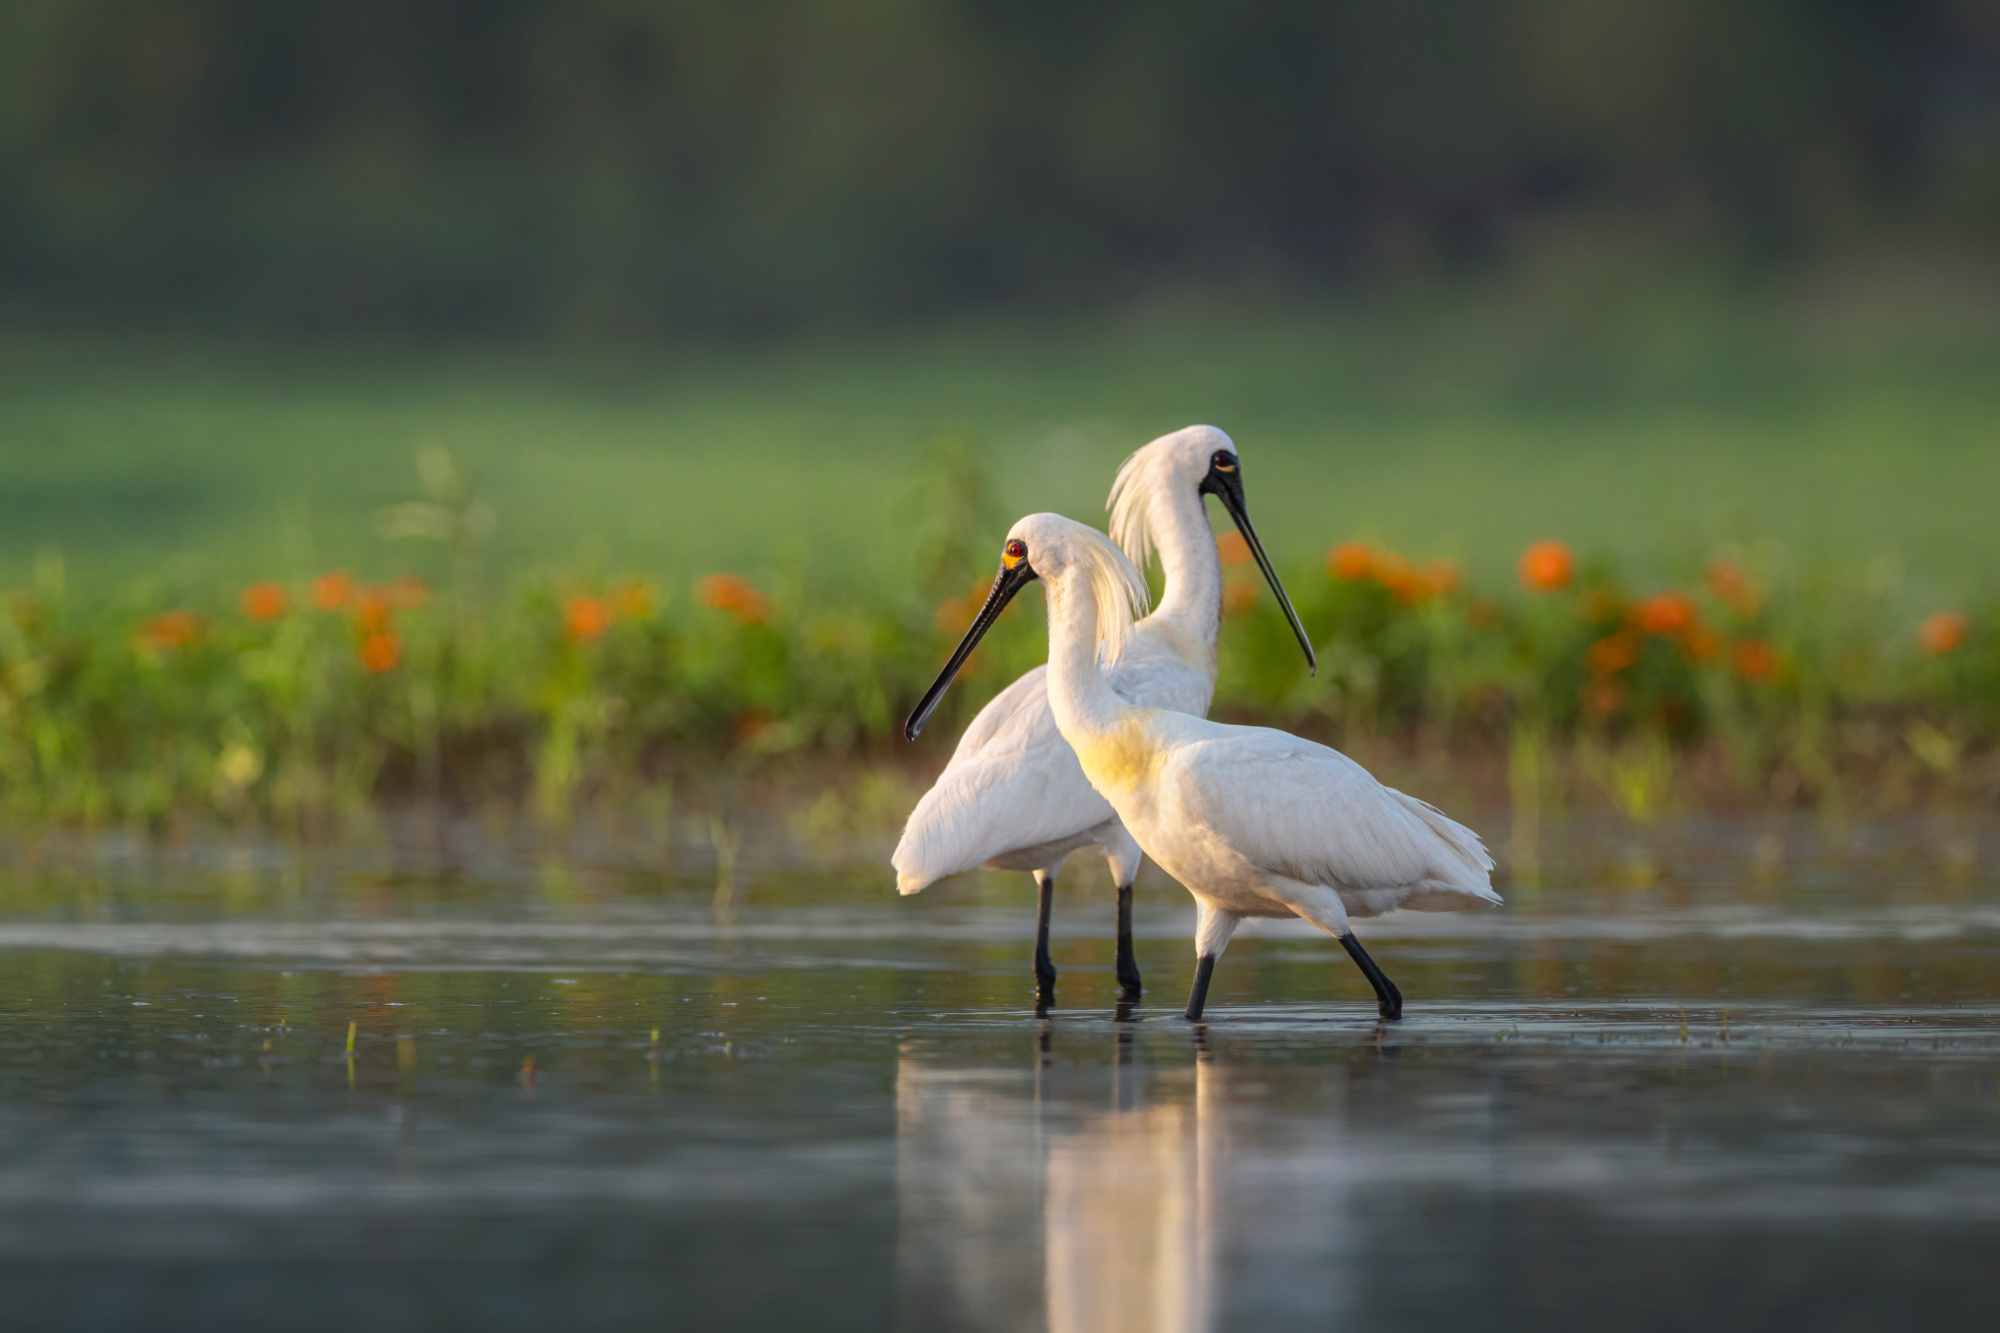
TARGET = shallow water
x,y
1741,1076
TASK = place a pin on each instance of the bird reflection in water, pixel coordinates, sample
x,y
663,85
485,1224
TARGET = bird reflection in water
x,y
1053,1209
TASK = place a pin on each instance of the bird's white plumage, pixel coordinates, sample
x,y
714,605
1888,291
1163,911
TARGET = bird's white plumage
x,y
1013,795
1254,822
1232,807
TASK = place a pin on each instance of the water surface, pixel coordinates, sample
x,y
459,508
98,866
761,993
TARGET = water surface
x,y
1734,1075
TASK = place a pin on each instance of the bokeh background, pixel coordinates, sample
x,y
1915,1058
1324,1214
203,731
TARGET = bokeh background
x,y
813,299
657,168
1689,265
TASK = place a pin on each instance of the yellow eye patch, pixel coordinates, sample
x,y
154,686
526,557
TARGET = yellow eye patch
x,y
1013,554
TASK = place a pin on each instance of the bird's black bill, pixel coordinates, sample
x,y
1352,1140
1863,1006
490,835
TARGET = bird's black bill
x,y
1228,488
1005,585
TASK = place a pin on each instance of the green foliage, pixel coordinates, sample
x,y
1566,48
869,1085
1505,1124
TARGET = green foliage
x,y
302,704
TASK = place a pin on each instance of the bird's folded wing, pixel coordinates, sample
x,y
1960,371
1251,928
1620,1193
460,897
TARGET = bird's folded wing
x,y
1309,813
1152,675
993,804
1014,719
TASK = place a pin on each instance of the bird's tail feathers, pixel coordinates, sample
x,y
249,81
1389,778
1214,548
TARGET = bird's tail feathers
x,y
1472,866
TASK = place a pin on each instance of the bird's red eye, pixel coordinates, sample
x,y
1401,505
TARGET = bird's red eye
x,y
1015,552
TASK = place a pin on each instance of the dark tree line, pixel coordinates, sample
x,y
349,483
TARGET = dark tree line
x,y
665,165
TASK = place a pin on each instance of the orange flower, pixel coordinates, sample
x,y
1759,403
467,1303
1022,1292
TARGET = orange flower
x,y
1725,579
1240,596
632,599
1607,657
1406,583
586,618
406,593
264,601
1547,566
331,591
170,630
371,610
1755,659
733,593
1603,696
1666,613
1350,562
1943,632
1393,573
379,652
1700,643
1233,549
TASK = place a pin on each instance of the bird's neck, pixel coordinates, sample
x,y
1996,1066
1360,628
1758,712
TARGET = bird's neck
x,y
1084,704
1190,607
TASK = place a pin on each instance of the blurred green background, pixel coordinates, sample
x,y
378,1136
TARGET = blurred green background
x,y
694,286
825,295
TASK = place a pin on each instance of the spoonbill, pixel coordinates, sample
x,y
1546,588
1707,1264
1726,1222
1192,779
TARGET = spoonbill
x,y
1255,822
1013,796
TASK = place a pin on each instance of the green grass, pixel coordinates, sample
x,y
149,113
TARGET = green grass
x,y
1852,425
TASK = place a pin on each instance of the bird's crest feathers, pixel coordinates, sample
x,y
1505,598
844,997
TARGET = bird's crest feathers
x,y
1139,479
1116,588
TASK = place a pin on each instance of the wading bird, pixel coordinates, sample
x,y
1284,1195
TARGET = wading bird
x,y
1255,822
1013,796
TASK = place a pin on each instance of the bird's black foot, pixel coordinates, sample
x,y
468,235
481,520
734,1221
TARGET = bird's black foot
x,y
1388,1000
1045,968
1204,968
1127,969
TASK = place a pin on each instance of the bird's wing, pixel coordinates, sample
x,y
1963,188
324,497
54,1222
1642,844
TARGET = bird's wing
x,y
1013,719
1309,813
1152,675
1003,799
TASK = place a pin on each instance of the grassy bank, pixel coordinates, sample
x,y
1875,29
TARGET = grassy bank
x,y
636,570
1749,681
1851,417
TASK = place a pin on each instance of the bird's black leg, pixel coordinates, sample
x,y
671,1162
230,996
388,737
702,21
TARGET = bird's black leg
x,y
1204,968
1045,970
1128,966
1388,1000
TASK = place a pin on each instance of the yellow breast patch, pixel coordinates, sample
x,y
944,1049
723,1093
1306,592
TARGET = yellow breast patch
x,y
1122,758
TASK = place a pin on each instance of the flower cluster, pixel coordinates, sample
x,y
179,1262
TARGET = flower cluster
x,y
270,699
735,595
1408,583
587,616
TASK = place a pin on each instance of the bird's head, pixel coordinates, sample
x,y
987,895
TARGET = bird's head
x,y
1075,561
1193,461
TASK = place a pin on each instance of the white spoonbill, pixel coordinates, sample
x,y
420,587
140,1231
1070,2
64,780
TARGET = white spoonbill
x,y
1013,796
1255,822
